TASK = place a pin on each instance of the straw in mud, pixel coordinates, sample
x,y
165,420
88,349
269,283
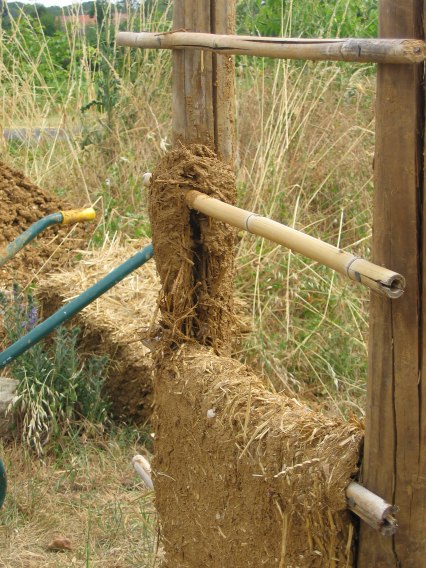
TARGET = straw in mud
x,y
194,254
257,477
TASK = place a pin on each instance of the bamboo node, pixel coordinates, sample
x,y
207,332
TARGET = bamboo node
x,y
247,223
357,275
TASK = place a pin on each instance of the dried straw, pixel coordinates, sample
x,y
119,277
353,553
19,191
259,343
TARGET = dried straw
x,y
116,324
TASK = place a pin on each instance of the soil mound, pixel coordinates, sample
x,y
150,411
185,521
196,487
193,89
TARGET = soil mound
x,y
22,203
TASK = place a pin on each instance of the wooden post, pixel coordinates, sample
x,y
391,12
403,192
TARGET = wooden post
x,y
395,445
203,83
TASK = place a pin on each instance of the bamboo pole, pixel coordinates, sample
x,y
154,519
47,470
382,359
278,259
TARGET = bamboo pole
x,y
395,51
379,279
372,509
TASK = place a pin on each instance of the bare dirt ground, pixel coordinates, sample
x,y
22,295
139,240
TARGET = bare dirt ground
x,y
84,507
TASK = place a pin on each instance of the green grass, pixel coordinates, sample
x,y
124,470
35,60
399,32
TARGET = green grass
x,y
58,393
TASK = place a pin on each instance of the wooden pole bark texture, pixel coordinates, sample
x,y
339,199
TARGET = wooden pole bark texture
x,y
398,51
203,82
395,445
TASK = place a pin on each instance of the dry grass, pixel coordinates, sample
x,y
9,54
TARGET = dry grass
x,y
127,311
138,125
89,494
306,160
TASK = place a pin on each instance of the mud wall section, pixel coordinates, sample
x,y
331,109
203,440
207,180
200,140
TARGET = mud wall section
x,y
243,477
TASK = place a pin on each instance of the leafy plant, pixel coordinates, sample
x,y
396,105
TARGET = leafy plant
x,y
308,18
57,391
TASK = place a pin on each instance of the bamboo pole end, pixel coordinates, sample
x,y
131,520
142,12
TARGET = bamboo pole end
x,y
395,288
382,280
414,50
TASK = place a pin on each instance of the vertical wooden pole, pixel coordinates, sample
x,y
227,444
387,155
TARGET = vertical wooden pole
x,y
395,446
203,83
224,84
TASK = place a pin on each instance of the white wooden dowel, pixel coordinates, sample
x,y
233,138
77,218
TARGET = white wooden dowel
x,y
372,509
143,469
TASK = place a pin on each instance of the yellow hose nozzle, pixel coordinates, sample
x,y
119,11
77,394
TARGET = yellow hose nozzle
x,y
78,215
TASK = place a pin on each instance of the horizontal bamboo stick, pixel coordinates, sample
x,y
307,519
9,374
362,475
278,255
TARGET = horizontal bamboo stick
x,y
358,50
377,278
372,509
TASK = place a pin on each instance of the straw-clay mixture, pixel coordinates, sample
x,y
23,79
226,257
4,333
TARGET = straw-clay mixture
x,y
194,254
243,477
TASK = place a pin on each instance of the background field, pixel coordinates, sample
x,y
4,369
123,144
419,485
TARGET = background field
x,y
305,157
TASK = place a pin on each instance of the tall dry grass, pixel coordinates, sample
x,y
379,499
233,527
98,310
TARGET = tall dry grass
x,y
305,151
306,159
97,153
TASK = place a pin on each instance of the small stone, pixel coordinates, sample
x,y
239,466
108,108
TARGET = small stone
x,y
60,543
7,393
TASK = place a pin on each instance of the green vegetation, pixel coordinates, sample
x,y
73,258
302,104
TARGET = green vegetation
x,y
58,394
312,18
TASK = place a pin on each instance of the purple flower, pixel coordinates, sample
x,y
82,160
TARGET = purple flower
x,y
32,317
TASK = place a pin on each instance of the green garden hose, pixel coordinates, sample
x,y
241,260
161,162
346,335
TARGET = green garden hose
x,y
61,218
75,306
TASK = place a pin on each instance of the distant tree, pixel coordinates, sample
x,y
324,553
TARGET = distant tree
x,y
5,18
49,23
308,18
43,15
98,10
34,11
